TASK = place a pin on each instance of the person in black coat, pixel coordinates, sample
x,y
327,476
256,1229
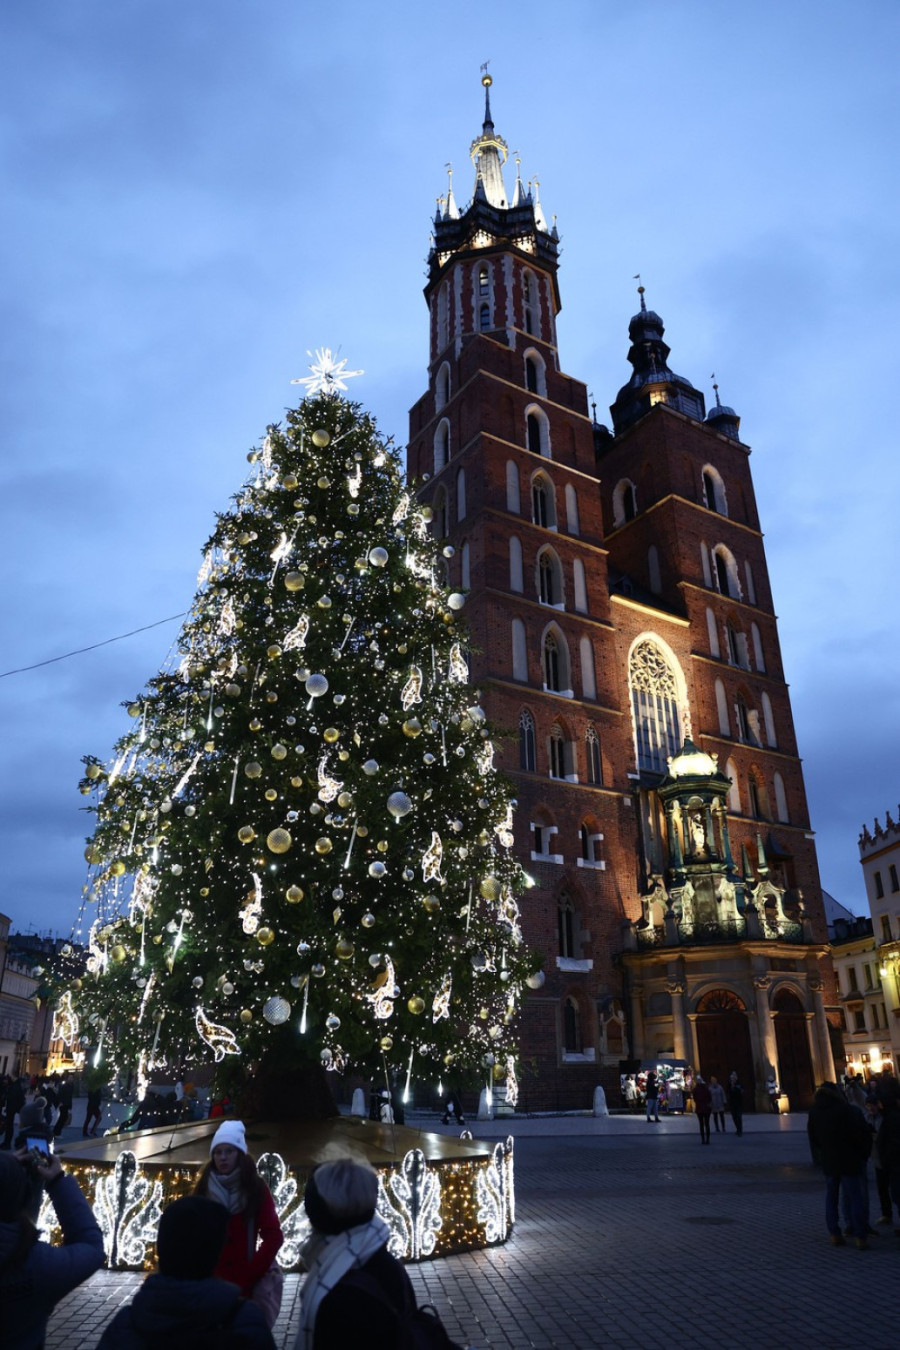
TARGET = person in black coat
x,y
840,1141
735,1094
184,1303
356,1293
33,1275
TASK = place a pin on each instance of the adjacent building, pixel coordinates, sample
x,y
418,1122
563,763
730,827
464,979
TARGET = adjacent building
x,y
879,854
623,633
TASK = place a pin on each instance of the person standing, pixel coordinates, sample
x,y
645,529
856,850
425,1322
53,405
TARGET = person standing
x,y
840,1142
703,1106
652,1090
94,1110
717,1100
254,1235
33,1275
736,1101
15,1100
772,1093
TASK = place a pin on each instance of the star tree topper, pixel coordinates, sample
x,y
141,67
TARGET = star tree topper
x,y
328,374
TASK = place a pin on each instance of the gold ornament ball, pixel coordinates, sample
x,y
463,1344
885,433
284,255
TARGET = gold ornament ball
x,y
246,834
324,483
76,985
368,919
412,728
118,953
271,795
294,581
386,1043
255,724
490,888
362,831
291,482
296,782
264,936
118,868
252,769
93,771
345,800
243,538
324,602
209,747
278,841
432,904
204,891
273,652
323,844
134,710
330,734
427,514
382,846
416,1005
293,895
92,854
246,1016
279,751
321,438
343,949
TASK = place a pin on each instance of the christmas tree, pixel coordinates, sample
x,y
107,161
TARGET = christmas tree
x,y
302,848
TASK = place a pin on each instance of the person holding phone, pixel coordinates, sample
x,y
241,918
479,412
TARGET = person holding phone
x,y
33,1275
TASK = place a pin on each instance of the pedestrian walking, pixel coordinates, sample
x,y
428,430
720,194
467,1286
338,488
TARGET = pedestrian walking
x,y
840,1142
702,1106
254,1234
66,1094
717,1100
184,1303
33,1275
772,1093
736,1101
886,1148
15,1100
94,1112
652,1091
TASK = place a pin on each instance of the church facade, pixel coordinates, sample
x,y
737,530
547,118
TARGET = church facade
x,y
623,636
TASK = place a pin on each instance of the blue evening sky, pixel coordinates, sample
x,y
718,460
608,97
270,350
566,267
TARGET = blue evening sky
x,y
198,192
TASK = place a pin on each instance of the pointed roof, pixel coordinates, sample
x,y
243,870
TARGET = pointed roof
x,y
489,153
652,381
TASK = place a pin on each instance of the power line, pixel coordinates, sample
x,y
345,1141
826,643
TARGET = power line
x,y
93,647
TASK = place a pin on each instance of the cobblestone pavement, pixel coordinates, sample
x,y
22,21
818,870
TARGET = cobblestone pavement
x,y
631,1234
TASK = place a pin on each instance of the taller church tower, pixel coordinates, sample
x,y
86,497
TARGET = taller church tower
x,y
622,632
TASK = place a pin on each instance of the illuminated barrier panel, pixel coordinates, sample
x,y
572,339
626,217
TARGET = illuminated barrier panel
x,y
432,1209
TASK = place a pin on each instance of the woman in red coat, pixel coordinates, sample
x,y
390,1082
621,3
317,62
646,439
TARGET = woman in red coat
x,y
254,1233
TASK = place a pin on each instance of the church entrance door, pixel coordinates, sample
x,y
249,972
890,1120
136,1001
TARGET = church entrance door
x,y
723,1041
795,1071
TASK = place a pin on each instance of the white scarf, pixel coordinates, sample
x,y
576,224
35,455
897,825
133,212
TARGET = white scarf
x,y
226,1190
328,1260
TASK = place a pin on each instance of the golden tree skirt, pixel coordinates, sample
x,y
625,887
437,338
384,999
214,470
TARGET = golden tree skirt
x,y
437,1194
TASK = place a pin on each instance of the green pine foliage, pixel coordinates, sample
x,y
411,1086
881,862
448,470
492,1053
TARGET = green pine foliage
x,y
301,843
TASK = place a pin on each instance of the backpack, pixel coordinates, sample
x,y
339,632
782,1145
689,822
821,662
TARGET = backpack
x,y
419,1328
218,1336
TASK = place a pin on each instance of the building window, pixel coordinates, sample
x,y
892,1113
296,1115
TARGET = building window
x,y
580,585
624,502
555,663
714,491
535,373
566,927
519,651
531,379
527,743
549,579
516,580
588,671
441,515
530,292
461,495
654,705
572,1039
441,445
513,502
443,316
442,387
879,886
592,755
537,432
722,709
484,286
859,1020
781,806
734,655
543,502
895,884
867,972
571,509
557,749
885,928
734,792
653,572
590,839
851,976
484,318
726,572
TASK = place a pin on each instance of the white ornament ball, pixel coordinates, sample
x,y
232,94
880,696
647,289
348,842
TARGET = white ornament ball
x,y
377,869
316,686
399,805
370,767
456,600
536,981
276,1010
378,557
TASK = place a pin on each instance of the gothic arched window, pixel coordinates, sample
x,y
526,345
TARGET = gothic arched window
x,y
592,756
549,578
527,743
557,752
555,663
484,318
655,705
624,502
566,926
714,491
543,502
441,444
484,285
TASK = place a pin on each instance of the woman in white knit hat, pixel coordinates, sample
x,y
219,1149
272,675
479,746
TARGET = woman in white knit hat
x,y
254,1233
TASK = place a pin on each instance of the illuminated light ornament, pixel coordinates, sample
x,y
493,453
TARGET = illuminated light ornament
x,y
295,1226
431,859
265,454
382,1000
512,1083
281,550
410,1204
354,482
328,787
221,1040
183,780
412,691
227,618
441,1005
250,914
508,912
127,1207
276,1010
65,1022
401,510
493,1193
458,671
484,758
202,577
296,638
328,376
504,830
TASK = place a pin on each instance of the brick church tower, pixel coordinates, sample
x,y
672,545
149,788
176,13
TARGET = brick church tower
x,y
623,634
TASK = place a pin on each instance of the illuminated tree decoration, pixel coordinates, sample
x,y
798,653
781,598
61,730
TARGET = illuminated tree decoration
x,y
127,1206
492,1193
414,1192
305,798
291,1215
65,1022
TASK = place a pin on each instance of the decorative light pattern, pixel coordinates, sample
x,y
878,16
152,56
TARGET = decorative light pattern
x,y
296,638
65,1022
382,1000
512,1083
250,914
412,691
504,830
328,374
291,1215
431,859
127,1206
441,1005
221,1040
458,671
415,1190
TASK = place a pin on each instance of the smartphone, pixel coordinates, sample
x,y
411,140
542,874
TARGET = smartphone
x,y
32,1142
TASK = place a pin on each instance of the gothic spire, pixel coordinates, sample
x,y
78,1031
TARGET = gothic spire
x,y
489,153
